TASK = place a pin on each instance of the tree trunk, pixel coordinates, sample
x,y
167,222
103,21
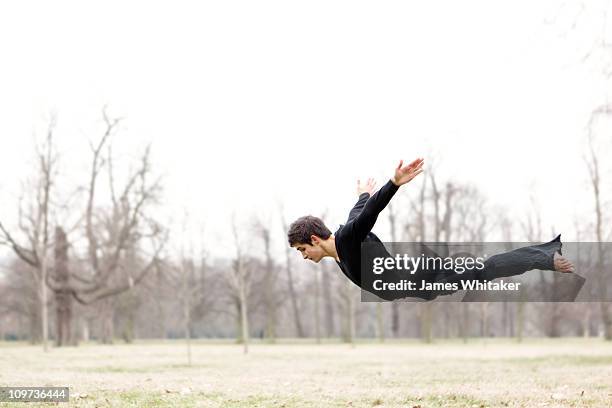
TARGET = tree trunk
x,y
395,322
484,319
426,320
520,324
128,326
43,294
107,314
447,319
348,323
243,317
465,322
160,320
85,330
426,308
586,322
64,319
238,321
270,293
555,319
380,322
317,299
34,321
351,315
63,297
187,320
328,307
294,305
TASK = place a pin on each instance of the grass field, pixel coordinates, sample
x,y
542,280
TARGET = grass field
x,y
481,373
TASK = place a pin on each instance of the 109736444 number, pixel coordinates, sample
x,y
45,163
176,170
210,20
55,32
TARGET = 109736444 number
x,y
34,394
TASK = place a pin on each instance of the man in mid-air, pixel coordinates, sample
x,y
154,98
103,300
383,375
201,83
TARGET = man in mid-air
x,y
314,241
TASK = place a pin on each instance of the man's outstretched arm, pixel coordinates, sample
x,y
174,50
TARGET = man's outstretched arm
x,y
364,191
364,222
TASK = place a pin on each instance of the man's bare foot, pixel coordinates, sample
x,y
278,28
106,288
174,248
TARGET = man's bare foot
x,y
562,264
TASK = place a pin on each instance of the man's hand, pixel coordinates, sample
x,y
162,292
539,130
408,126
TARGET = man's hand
x,y
368,187
404,174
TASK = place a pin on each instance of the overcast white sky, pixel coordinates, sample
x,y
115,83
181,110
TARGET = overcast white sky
x,y
250,102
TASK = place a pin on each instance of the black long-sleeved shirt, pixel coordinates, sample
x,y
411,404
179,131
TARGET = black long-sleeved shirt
x,y
358,229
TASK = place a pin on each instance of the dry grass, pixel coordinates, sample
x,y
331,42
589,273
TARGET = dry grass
x,y
491,373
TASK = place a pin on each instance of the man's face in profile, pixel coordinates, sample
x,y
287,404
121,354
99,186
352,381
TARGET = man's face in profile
x,y
313,252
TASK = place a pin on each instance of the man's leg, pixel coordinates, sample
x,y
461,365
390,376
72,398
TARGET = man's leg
x,y
545,256
524,259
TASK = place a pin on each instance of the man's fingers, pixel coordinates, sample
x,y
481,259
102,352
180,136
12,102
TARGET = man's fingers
x,y
417,162
412,165
412,168
400,164
416,173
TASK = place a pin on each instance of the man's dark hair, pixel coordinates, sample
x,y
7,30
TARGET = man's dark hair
x,y
302,228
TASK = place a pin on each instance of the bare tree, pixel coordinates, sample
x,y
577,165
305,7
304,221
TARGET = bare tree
x,y
327,278
63,296
550,313
425,309
187,288
395,318
271,298
317,307
290,283
328,304
34,225
239,282
442,224
471,226
347,304
126,228
594,168
508,312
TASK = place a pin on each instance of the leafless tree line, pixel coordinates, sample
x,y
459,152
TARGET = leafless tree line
x,y
107,272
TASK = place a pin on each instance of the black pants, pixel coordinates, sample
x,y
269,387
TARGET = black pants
x,y
501,265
